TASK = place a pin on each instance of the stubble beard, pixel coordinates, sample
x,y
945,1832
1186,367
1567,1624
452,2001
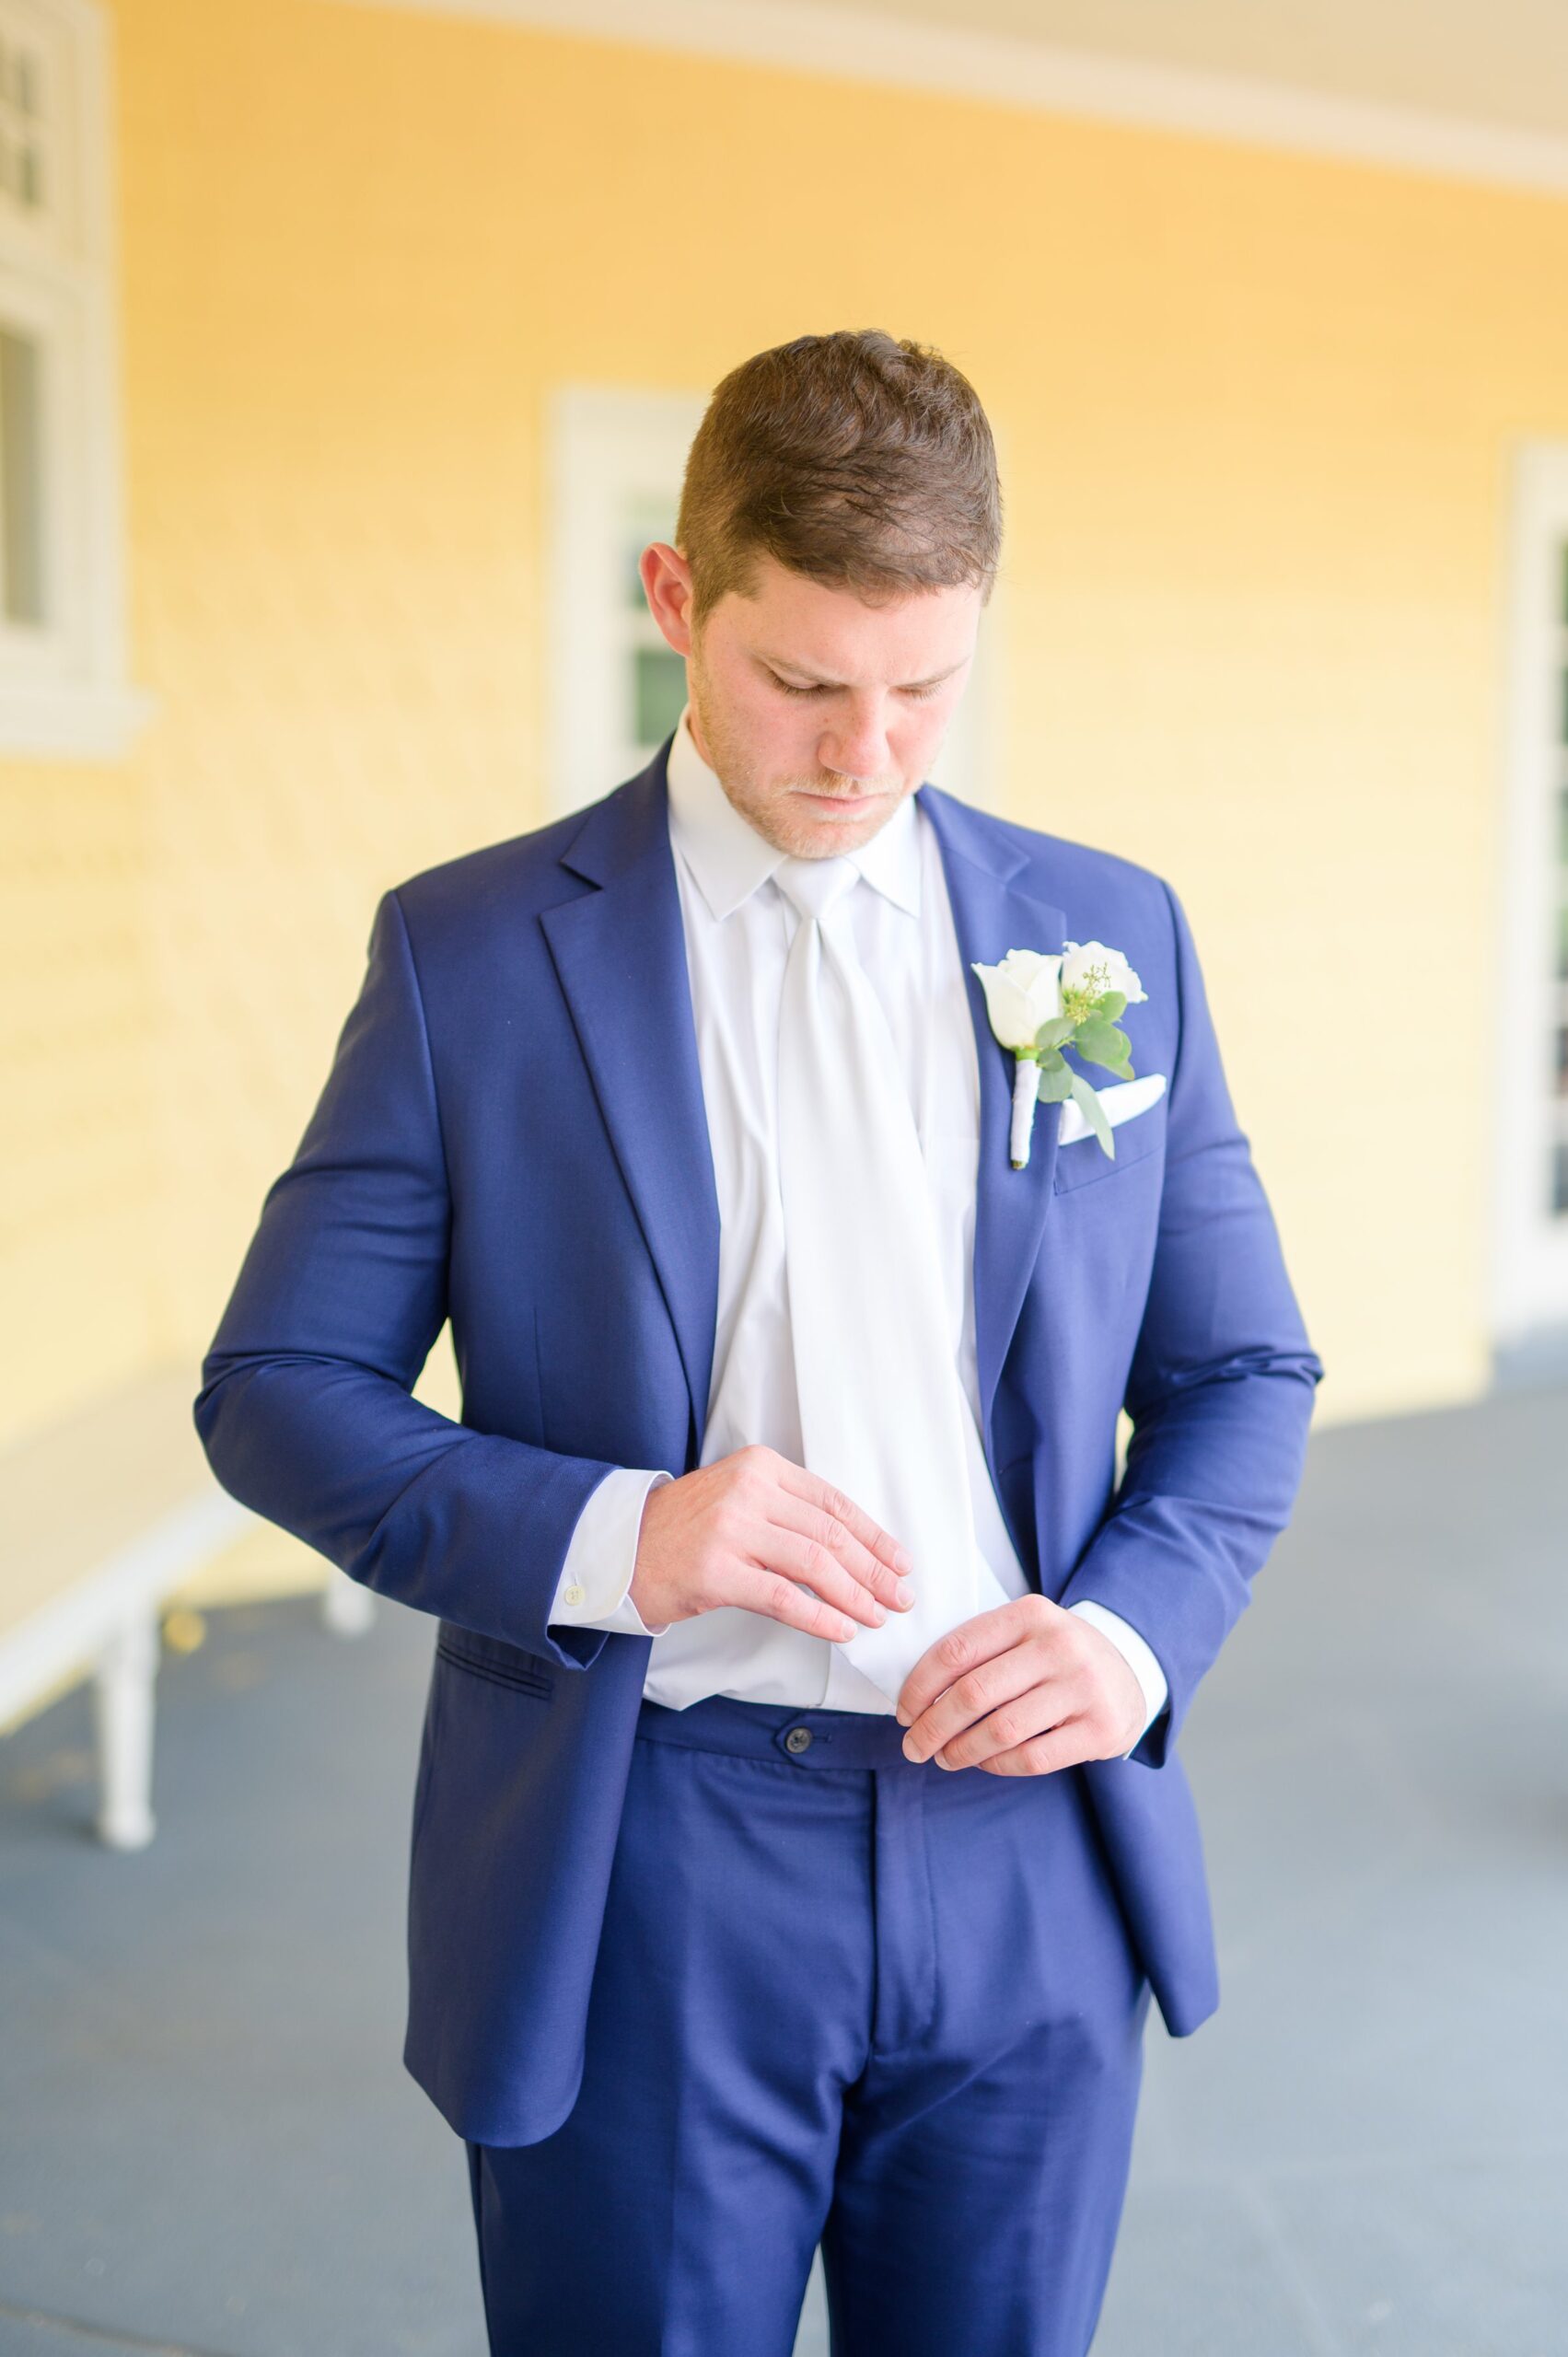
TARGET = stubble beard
x,y
776,812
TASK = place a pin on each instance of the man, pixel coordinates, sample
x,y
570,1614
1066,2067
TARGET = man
x,y
799,1833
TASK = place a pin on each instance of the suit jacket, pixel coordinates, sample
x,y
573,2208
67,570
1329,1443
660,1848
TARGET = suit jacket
x,y
513,1135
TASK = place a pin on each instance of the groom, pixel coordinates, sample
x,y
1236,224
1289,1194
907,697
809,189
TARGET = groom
x,y
799,1832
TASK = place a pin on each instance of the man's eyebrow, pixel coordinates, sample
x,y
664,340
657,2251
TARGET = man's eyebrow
x,y
788,663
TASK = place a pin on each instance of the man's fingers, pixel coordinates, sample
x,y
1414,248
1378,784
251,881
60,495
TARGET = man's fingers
x,y
798,1516
951,1656
829,1499
1008,1729
807,1559
1042,1754
1000,1680
775,1595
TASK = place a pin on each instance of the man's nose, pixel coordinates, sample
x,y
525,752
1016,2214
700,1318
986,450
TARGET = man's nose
x,y
856,749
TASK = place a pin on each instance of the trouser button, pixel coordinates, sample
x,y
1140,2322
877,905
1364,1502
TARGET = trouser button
x,y
799,1739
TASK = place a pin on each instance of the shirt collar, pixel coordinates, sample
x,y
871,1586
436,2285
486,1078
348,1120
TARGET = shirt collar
x,y
729,859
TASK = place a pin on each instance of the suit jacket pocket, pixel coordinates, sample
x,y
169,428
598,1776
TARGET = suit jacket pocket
x,y
490,1657
1084,1160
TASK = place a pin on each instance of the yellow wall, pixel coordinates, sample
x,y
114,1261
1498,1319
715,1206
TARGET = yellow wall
x,y
1258,410
80,1170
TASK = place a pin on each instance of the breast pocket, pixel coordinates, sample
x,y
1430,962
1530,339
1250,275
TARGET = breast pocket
x,y
1084,1160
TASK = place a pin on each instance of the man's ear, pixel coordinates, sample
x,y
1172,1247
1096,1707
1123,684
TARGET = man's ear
x,y
668,587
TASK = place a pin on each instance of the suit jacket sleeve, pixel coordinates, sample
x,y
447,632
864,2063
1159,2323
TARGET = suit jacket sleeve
x,y
1220,1392
305,1410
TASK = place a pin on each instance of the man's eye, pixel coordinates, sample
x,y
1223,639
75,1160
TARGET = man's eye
x,y
918,696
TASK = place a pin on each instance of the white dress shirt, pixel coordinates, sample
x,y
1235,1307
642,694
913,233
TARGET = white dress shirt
x,y
738,926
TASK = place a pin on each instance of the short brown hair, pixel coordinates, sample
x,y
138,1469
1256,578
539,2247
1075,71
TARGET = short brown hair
x,y
861,460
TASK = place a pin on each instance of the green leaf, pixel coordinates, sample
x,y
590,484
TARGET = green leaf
x,y
1093,1112
1102,1043
1051,1034
1111,1003
1056,1081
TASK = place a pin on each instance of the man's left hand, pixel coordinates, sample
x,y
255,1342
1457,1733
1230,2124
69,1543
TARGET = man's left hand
x,y
1021,1690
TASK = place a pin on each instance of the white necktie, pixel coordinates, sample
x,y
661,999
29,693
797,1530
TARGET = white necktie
x,y
881,1402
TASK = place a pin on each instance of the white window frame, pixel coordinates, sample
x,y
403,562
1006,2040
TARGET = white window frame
x,y
612,446
1521,1115
63,685
608,445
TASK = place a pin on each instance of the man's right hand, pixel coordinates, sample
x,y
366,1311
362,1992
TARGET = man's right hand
x,y
749,1526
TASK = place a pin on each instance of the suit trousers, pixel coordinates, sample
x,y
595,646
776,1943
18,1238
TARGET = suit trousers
x,y
839,1997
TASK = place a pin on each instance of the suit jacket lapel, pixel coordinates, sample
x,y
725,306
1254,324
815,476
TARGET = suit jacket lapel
x,y
621,956
993,913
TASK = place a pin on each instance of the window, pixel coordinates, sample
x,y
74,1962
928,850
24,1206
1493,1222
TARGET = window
x,y
617,462
1531,1130
62,687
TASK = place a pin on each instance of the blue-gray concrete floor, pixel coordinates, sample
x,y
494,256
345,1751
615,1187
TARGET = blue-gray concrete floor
x,y
208,2146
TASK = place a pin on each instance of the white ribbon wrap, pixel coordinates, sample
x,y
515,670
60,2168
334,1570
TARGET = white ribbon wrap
x,y
1026,1089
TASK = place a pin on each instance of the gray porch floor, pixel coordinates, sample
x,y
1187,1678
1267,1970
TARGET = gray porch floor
x,y
208,2146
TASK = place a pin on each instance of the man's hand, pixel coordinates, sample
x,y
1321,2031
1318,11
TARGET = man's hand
x,y
1020,1690
746,1529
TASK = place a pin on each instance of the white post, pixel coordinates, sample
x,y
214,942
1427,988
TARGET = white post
x,y
347,1606
122,1696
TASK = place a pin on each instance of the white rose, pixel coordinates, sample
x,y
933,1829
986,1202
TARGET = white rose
x,y
1091,967
1021,993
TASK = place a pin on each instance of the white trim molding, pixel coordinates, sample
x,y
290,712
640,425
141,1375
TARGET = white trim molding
x,y
615,459
65,690
806,35
83,722
1529,1124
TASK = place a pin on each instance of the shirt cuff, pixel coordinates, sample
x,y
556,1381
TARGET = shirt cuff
x,y
594,1589
1139,1660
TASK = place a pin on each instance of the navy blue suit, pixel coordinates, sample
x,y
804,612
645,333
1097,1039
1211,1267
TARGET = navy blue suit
x,y
513,1135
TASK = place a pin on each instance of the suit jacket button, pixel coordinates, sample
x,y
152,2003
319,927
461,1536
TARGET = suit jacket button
x,y
799,1739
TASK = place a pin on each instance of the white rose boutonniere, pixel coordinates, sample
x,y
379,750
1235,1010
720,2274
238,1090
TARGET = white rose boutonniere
x,y
1040,1002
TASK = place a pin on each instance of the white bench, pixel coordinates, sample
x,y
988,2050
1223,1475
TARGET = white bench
x,y
105,1517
